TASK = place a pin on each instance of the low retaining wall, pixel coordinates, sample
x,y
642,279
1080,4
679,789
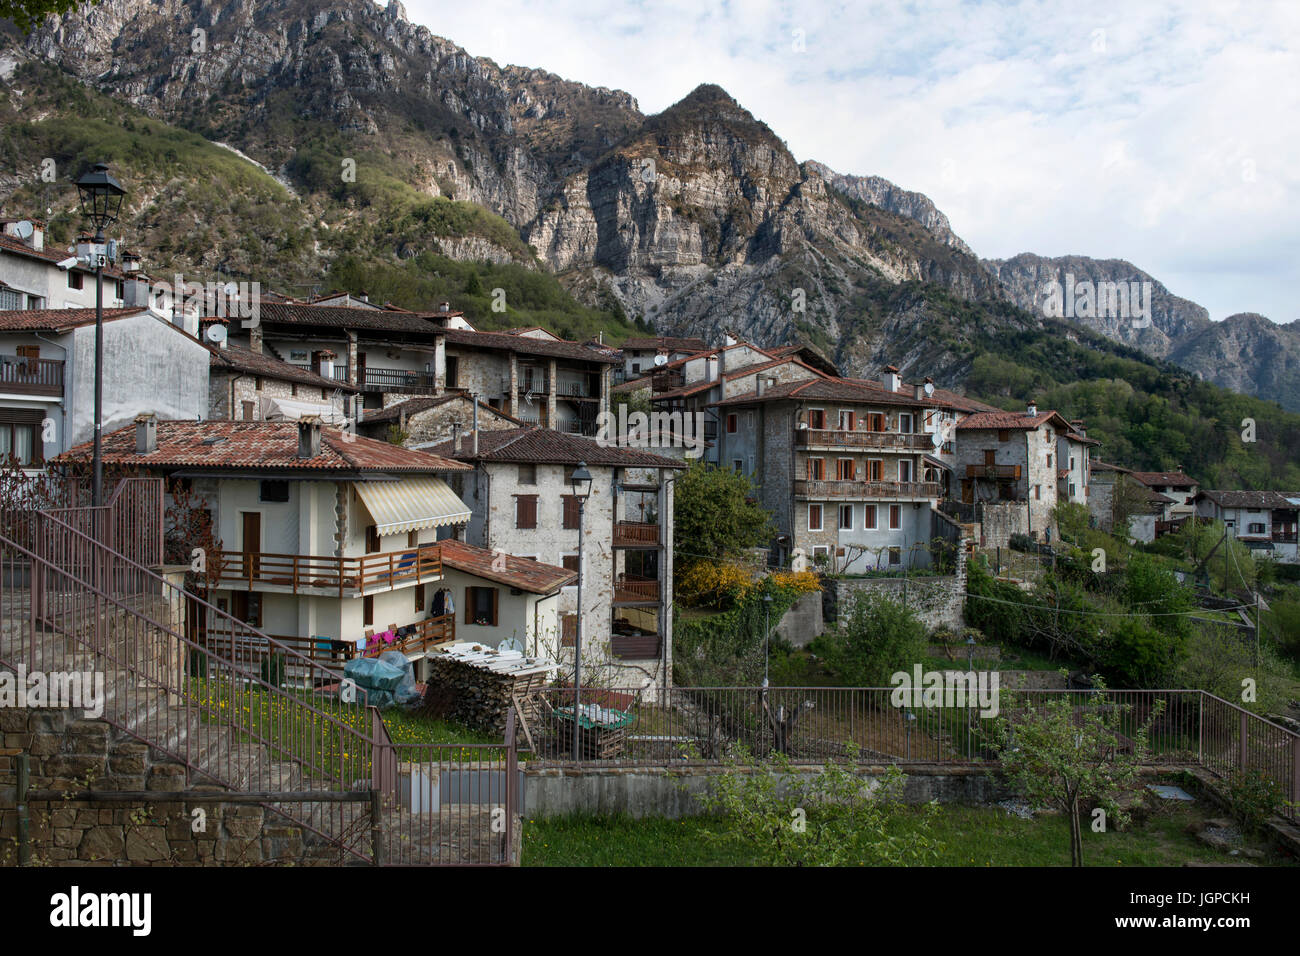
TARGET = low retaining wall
x,y
938,601
803,622
672,791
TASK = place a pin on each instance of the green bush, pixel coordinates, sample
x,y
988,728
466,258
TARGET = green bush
x,y
1253,797
877,638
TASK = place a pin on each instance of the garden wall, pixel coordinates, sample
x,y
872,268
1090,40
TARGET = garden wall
x,y
938,601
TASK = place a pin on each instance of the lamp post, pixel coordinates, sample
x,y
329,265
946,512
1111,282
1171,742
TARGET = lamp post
x,y
580,481
101,201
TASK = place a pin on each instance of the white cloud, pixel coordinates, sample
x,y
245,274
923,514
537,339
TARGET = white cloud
x,y
1163,133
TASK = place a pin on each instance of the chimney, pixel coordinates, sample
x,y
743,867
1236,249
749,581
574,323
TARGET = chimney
x,y
712,368
309,427
146,434
892,380
1032,409
255,337
364,296
455,438
1077,425
444,307
918,392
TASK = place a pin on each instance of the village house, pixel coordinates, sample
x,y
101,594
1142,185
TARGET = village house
x,y
843,465
321,538
1009,464
1175,485
249,386
522,501
47,376
31,277
504,599
642,355
1264,521
1116,498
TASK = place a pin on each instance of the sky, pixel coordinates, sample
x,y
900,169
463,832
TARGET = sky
x,y
1164,132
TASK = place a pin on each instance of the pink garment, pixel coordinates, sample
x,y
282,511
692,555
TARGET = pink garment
x,y
388,637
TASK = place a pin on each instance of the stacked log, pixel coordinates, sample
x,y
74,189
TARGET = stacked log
x,y
477,692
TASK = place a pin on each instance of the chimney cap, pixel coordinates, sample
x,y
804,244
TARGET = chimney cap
x,y
892,368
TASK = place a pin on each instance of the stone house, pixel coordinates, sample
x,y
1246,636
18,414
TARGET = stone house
x,y
47,375
249,386
1180,488
1008,462
641,354
322,536
30,277
843,465
522,503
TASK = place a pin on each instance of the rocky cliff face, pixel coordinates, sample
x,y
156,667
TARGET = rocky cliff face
x,y
698,219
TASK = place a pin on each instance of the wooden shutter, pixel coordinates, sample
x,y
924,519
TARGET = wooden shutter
x,y
469,605
568,630
495,594
570,511
372,539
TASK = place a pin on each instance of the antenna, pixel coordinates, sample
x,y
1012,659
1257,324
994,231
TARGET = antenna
x,y
929,388
661,359
216,333
23,229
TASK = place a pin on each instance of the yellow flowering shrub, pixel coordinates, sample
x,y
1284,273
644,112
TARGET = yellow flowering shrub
x,y
799,582
704,583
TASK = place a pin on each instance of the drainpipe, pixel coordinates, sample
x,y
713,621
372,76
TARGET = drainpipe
x,y
475,400
233,380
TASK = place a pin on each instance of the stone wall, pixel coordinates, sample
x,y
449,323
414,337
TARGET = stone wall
x,y
803,622
69,753
937,600
1000,520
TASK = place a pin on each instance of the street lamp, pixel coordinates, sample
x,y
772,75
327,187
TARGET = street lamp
x,y
101,201
580,481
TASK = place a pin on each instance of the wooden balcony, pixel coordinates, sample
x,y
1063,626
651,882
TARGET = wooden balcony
x,y
834,439
318,574
31,376
421,637
396,380
993,472
629,589
635,534
638,647
868,490
666,381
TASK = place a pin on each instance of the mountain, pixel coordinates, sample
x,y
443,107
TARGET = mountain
x,y
1220,351
342,146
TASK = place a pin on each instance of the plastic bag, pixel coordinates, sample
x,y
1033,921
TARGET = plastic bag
x,y
405,693
374,673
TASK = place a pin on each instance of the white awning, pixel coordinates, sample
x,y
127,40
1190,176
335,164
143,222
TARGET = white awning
x,y
409,504
290,409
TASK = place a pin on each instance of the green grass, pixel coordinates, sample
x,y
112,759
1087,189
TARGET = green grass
x,y
972,836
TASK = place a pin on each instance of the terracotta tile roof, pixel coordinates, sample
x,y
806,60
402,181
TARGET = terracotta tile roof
x,y
1253,499
544,445
529,346
667,343
831,390
338,317
522,573
807,354
1175,479
60,320
259,446
413,406
235,358
1011,421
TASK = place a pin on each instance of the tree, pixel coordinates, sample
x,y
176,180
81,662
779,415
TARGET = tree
x,y
29,14
716,514
879,638
1068,751
832,818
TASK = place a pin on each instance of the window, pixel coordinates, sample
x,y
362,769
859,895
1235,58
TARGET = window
x,y
821,551
737,465
75,279
876,422
247,410
570,511
636,367
1049,460
1072,463
875,469
481,606
257,383
1071,490
929,419
848,420
1038,492
246,606
570,562
367,610
869,517
845,469
1256,528
733,423
905,422
905,469
816,418
525,511
1004,435
568,629
293,391
895,517
816,469
274,491
814,517
419,598
846,517
10,299
895,555
372,539
528,474
20,436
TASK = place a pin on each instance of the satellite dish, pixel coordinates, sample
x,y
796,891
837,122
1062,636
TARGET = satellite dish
x,y
216,332
511,644
661,359
23,229
936,439
231,289
929,388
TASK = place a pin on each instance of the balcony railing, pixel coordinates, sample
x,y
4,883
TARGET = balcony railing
x,y
664,381
413,638
992,472
639,646
635,534
576,426
843,438
1285,537
574,390
536,383
812,488
396,380
31,376
362,574
629,589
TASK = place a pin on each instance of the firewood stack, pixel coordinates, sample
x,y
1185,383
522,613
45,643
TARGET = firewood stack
x,y
476,686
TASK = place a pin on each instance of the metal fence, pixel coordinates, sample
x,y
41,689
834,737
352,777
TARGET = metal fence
x,y
622,727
